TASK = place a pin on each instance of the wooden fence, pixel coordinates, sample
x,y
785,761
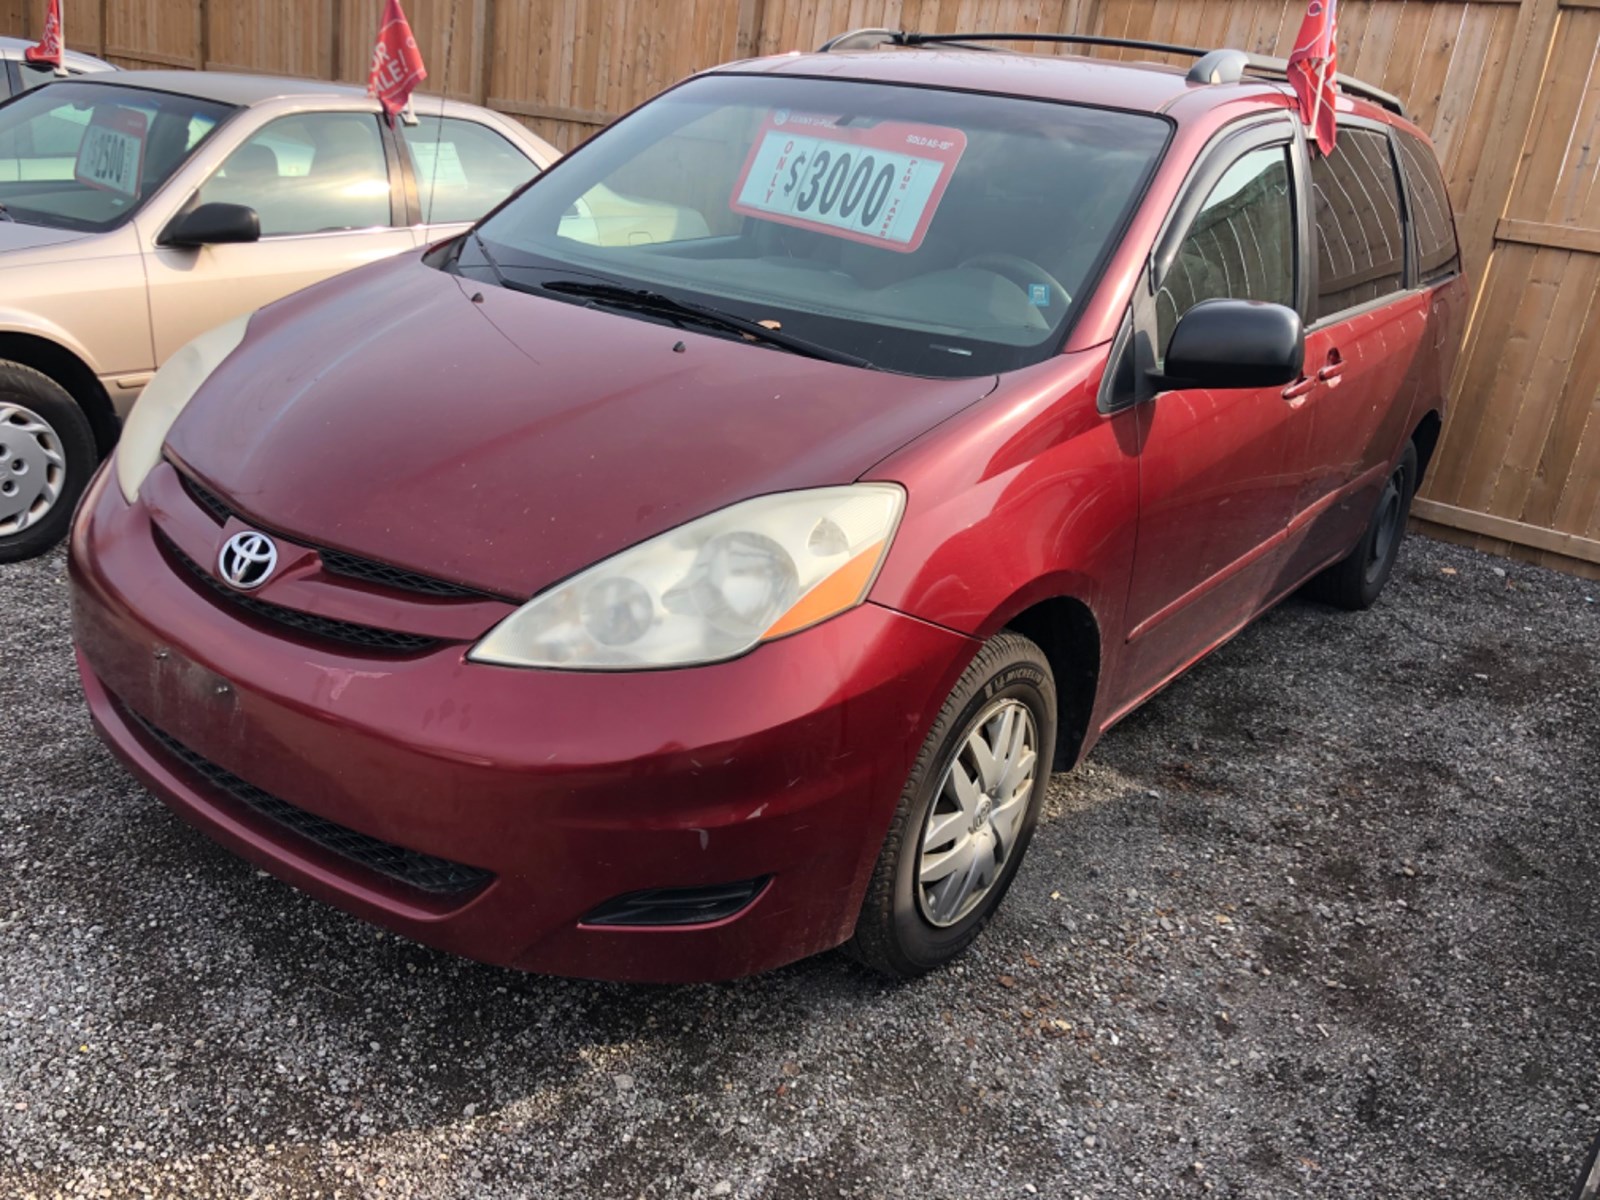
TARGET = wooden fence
x,y
1507,88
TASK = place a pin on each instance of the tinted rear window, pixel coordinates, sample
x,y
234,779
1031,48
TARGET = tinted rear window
x,y
1437,255
1360,243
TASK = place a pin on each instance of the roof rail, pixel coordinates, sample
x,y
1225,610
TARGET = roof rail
x,y
1265,64
1213,66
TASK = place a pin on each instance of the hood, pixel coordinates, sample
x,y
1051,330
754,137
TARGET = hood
x,y
510,443
16,236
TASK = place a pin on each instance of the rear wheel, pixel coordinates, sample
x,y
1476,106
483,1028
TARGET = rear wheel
x,y
1355,581
47,454
966,814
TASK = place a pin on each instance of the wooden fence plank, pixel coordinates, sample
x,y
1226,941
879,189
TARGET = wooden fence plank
x,y
1568,544
1543,233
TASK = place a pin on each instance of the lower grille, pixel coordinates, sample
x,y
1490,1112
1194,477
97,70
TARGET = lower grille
x,y
425,872
368,637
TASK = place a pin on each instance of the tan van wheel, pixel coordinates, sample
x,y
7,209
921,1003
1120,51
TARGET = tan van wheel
x,y
47,454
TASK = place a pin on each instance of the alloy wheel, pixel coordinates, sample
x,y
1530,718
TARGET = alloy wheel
x,y
33,468
976,816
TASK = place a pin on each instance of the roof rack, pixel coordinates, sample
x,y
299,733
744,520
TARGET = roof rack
x,y
1211,66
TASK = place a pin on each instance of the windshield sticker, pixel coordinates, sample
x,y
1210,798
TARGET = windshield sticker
x,y
111,155
879,184
439,163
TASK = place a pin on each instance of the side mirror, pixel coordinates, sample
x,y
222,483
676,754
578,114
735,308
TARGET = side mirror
x,y
1235,344
213,225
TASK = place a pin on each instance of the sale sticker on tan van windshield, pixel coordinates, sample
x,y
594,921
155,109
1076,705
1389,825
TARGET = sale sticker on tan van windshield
x,y
878,183
111,155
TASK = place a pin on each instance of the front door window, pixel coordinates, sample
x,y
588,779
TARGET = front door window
x,y
1240,246
315,173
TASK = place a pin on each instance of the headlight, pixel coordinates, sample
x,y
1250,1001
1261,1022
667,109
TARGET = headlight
x,y
709,590
163,399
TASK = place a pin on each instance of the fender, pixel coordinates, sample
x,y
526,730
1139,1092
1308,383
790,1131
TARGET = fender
x,y
1045,489
31,324
106,398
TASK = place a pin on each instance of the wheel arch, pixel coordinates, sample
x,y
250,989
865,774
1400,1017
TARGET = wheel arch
x,y
72,373
1065,628
1426,438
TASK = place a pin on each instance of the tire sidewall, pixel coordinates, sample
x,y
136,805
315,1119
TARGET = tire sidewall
x,y
1372,587
922,943
1581,1189
32,390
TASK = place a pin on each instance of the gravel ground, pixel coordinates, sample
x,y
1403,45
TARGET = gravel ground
x,y
1319,920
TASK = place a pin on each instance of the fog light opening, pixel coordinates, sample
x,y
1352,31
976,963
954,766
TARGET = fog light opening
x,y
656,907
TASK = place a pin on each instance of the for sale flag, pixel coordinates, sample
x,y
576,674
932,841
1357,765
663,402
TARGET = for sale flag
x,y
1313,71
49,48
396,62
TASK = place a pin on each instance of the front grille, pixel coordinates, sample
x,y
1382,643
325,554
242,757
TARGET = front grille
x,y
425,872
368,637
337,562
206,499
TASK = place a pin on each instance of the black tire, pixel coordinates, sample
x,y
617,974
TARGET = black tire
x,y
1356,581
1588,1185
43,435
893,934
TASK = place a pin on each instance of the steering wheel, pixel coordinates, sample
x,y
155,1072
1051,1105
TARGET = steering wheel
x,y
1023,272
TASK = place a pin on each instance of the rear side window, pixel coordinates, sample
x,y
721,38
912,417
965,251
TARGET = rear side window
x,y
31,76
1360,243
1240,246
463,169
1437,254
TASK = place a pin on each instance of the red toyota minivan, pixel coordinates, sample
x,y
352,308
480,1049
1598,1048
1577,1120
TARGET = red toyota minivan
x,y
705,560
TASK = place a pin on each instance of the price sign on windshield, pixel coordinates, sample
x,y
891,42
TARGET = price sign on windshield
x,y
111,154
879,184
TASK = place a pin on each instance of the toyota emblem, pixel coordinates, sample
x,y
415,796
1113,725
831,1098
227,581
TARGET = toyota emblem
x,y
247,560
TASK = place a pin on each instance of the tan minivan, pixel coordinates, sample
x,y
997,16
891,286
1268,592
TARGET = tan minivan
x,y
139,209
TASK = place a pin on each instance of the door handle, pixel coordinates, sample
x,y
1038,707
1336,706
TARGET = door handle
x,y
1333,369
1299,389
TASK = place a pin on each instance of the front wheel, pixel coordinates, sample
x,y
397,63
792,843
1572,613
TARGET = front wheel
x,y
47,454
966,814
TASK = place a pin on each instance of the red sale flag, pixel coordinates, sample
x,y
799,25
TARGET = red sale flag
x,y
396,62
1313,71
49,48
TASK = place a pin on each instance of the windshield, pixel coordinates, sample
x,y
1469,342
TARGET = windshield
x,y
86,156
927,232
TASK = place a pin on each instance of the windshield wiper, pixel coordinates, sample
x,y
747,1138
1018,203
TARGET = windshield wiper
x,y
643,300
5,215
494,266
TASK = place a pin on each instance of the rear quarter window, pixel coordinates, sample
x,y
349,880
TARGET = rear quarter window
x,y
1360,238
1437,253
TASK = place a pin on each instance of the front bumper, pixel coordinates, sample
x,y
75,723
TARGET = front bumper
x,y
565,789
